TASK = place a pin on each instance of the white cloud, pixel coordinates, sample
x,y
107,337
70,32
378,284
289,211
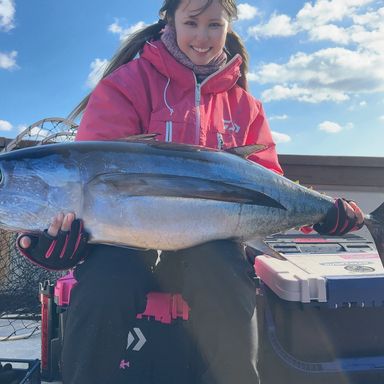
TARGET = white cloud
x,y
97,68
123,33
332,127
338,68
328,74
369,18
252,76
5,125
356,105
320,20
325,11
280,138
115,28
8,60
369,40
247,11
37,132
279,117
308,95
381,118
7,14
352,65
278,25
21,128
330,32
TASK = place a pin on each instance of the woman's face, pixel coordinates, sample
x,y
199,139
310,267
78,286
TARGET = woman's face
x,y
201,36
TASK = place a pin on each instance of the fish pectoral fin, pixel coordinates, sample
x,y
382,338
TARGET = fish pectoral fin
x,y
136,184
246,150
263,247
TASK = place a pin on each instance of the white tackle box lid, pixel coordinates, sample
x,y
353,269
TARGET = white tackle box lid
x,y
341,271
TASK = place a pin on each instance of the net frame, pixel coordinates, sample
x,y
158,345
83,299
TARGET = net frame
x,y
19,297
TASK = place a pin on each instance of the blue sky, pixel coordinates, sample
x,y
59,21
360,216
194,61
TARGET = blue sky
x,y
318,66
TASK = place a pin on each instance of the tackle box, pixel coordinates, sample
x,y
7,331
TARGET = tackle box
x,y
321,311
19,371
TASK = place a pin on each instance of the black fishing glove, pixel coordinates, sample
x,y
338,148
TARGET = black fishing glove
x,y
337,222
59,252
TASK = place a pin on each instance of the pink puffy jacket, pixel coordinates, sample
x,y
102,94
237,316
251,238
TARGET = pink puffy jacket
x,y
157,94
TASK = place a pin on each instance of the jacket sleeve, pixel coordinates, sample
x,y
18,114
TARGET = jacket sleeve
x,y
260,133
110,114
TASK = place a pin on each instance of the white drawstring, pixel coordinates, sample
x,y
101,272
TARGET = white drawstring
x,y
152,45
165,96
166,87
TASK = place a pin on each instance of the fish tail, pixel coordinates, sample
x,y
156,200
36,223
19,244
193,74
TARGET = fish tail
x,y
375,224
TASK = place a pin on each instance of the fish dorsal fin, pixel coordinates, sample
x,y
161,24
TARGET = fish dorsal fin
x,y
246,150
144,136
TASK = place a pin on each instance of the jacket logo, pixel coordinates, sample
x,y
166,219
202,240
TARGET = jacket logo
x,y
230,126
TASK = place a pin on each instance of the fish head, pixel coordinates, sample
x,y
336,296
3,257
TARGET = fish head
x,y
35,188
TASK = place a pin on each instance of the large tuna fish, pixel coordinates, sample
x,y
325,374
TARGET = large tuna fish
x,y
156,195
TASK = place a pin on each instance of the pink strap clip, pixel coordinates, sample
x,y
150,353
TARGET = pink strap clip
x,y
165,307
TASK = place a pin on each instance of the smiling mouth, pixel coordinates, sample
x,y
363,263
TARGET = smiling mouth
x,y
201,50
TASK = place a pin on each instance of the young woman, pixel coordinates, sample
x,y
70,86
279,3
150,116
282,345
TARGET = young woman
x,y
189,86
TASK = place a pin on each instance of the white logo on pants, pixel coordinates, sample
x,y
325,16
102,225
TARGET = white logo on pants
x,y
136,339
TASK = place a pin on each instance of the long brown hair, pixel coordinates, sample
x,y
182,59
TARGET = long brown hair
x,y
135,42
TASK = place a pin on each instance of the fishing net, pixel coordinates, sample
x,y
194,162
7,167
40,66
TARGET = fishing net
x,y
45,131
19,278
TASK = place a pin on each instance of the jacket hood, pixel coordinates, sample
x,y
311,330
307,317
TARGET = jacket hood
x,y
222,80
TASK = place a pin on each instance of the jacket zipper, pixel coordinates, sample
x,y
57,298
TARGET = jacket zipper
x,y
220,70
198,115
198,99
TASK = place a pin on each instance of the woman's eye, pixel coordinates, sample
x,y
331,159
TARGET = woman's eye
x,y
215,25
190,22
